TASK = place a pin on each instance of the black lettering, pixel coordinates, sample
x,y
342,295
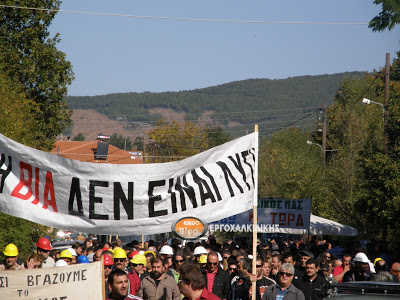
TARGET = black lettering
x,y
238,166
299,203
201,182
75,192
77,275
69,276
63,297
6,172
173,195
189,190
93,200
244,155
127,203
83,276
29,279
227,172
37,279
153,198
55,278
279,204
212,182
46,279
62,277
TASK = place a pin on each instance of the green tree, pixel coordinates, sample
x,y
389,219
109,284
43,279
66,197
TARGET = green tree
x,y
29,55
217,136
79,137
121,142
388,17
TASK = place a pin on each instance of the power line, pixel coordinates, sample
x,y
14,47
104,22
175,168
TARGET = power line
x,y
186,19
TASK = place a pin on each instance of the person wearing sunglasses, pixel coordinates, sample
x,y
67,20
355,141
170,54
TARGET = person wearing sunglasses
x,y
284,289
217,280
178,259
43,248
108,267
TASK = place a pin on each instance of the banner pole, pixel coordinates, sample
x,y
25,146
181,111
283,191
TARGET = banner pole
x,y
255,203
103,278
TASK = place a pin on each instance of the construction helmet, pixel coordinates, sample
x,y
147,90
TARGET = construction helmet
x,y
133,253
66,254
61,263
10,250
166,250
82,259
44,244
139,259
72,251
119,253
200,250
108,261
151,252
203,259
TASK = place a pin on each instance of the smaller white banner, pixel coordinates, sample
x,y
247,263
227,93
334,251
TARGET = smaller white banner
x,y
83,281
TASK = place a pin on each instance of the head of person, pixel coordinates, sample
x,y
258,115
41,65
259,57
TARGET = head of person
x,y
44,247
276,261
78,248
118,283
232,268
288,258
74,256
97,255
259,266
178,259
166,252
286,273
138,262
380,266
212,262
361,262
312,268
34,261
66,256
326,269
191,280
304,256
119,258
396,270
246,266
10,256
108,265
267,267
158,267
346,258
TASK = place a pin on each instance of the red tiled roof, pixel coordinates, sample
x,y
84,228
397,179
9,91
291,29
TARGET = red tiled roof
x,y
86,151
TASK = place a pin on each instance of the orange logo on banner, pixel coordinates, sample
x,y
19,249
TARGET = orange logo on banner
x,y
189,228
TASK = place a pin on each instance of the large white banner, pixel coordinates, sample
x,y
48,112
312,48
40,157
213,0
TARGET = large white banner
x,y
83,281
126,199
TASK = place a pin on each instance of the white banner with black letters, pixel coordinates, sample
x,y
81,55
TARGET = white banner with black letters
x,y
126,199
83,281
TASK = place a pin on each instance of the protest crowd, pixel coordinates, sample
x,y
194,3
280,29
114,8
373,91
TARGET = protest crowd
x,y
289,269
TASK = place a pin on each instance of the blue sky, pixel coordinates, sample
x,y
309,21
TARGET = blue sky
x,y
119,54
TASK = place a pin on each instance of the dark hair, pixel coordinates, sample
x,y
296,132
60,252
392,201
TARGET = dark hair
x,y
289,254
278,256
116,272
156,260
76,245
312,261
247,264
191,274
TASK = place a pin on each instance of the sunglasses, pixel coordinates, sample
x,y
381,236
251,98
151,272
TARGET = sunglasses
x,y
211,263
285,274
232,269
179,261
108,267
119,259
258,266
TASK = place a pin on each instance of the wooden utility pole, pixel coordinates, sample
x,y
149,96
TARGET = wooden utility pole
x,y
385,104
323,148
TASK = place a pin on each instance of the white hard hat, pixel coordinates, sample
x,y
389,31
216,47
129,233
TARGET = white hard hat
x,y
361,257
72,251
61,263
166,250
219,256
200,250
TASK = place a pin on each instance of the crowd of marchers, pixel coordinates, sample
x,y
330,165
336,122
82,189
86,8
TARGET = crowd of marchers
x,y
290,269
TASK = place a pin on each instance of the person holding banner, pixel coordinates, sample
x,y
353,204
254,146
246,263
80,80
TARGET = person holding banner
x,y
10,260
44,247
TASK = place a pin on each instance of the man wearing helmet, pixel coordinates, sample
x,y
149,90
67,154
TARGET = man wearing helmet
x,y
138,263
43,247
120,259
361,271
10,261
66,255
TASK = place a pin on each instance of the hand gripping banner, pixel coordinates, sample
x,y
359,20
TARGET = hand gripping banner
x,y
126,199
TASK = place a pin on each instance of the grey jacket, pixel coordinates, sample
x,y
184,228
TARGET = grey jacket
x,y
293,293
167,289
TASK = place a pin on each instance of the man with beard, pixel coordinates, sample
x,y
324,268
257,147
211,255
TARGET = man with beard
x,y
312,284
118,283
159,285
10,259
361,271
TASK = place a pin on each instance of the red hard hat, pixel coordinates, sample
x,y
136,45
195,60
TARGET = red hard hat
x,y
133,253
44,244
108,261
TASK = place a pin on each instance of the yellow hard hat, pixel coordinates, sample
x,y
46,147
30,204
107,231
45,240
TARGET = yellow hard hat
x,y
119,253
203,259
10,250
148,251
139,259
65,254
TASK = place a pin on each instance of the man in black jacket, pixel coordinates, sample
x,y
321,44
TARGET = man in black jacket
x,y
312,284
217,280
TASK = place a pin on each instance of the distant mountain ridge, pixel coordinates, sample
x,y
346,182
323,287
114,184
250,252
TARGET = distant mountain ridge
x,y
242,102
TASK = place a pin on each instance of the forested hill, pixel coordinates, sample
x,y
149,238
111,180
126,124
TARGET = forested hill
x,y
301,92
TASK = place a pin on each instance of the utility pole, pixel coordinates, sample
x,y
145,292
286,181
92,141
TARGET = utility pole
x,y
387,70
